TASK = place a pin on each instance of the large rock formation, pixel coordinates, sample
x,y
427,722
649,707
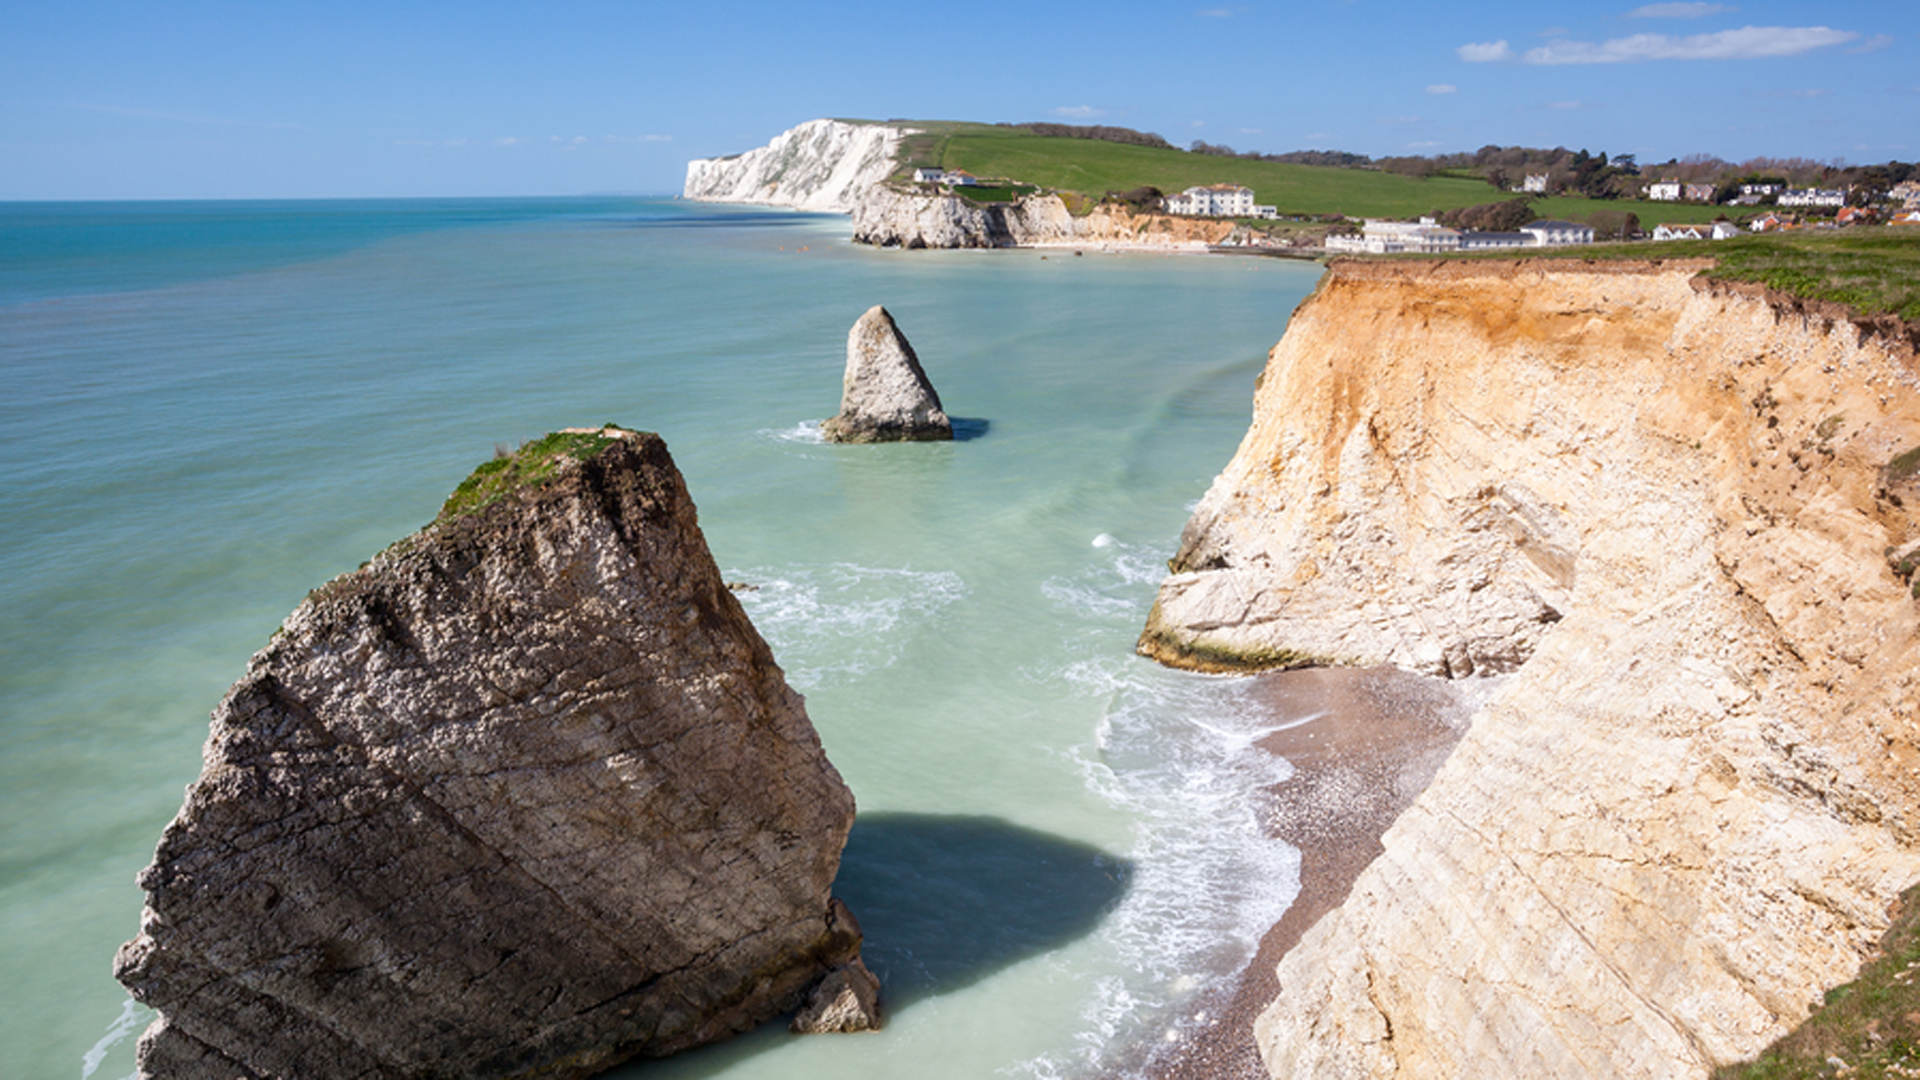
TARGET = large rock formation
x,y
884,395
526,795
886,216
1678,514
822,165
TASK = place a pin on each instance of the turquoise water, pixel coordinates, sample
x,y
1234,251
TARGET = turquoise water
x,y
208,409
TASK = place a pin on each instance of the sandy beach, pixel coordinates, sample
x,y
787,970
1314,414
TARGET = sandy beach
x,y
1363,742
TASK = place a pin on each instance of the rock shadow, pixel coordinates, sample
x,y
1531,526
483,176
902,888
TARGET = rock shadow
x,y
968,428
946,901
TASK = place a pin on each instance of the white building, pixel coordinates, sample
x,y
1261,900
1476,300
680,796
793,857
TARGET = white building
x,y
1484,241
1665,191
928,176
1760,191
1719,230
1534,184
1557,233
1813,197
1217,200
1391,237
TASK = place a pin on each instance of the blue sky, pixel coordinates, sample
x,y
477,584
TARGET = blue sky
x,y
235,100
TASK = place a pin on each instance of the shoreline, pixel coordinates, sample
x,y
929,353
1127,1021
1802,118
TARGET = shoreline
x,y
1364,743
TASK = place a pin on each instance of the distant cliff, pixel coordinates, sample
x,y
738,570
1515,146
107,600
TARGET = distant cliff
x,y
1682,518
887,217
834,166
823,165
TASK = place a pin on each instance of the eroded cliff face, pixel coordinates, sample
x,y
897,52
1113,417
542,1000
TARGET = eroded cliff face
x,y
1666,510
524,796
886,217
826,166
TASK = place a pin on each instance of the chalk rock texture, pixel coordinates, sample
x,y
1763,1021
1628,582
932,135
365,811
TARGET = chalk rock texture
x,y
847,1000
823,165
526,795
1668,509
885,396
888,216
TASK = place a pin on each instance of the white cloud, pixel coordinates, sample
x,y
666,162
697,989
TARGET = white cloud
x,y
1873,44
1442,88
1679,11
1746,43
1079,112
1424,144
1486,53
1218,13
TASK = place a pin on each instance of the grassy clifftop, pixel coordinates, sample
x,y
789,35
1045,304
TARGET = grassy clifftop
x,y
1093,168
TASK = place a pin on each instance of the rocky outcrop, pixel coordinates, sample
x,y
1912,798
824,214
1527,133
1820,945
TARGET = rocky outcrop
x,y
822,165
1678,515
526,795
893,217
884,395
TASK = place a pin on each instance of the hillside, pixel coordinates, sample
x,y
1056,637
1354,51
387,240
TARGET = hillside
x,y
1093,168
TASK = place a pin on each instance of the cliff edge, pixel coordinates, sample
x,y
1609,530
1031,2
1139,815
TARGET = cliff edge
x,y
1679,516
526,795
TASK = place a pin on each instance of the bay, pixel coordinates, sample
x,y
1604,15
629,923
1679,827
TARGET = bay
x,y
208,409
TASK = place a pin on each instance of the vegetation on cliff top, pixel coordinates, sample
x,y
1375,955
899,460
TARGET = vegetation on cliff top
x,y
1872,270
532,463
1866,1029
1093,166
1875,270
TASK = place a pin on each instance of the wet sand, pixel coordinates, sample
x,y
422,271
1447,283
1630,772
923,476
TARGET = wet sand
x,y
1364,742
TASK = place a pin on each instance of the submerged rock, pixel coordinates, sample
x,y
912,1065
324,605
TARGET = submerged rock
x,y
885,396
525,795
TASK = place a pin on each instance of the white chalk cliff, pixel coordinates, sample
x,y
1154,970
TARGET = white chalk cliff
x,y
842,167
1672,512
823,165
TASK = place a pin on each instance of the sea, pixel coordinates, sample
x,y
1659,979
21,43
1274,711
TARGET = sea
x,y
207,409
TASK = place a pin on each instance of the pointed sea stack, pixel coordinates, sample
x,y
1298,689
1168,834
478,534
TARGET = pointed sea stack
x,y
526,795
885,396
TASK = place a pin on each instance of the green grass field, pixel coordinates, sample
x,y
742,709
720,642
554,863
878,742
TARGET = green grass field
x,y
1094,168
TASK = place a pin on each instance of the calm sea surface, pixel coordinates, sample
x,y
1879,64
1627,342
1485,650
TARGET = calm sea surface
x,y
207,409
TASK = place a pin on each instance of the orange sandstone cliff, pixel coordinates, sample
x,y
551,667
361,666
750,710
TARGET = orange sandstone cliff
x,y
1675,517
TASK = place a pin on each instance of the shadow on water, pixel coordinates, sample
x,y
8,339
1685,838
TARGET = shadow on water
x,y
947,901
967,429
944,902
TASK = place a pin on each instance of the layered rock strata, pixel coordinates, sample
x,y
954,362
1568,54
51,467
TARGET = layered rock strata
x,y
885,396
1680,515
823,165
526,795
890,217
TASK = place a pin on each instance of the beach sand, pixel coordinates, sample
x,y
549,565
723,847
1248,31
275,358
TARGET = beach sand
x,y
1364,742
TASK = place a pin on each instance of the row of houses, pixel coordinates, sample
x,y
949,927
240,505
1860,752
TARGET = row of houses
x,y
1750,194
1429,236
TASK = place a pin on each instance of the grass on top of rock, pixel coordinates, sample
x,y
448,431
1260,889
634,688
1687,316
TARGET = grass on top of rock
x,y
532,463
1867,1029
1873,269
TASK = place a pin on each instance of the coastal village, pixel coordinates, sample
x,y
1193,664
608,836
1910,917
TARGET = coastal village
x,y
1759,206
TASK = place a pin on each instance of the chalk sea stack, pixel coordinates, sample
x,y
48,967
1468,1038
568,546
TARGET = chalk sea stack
x,y
885,396
524,795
